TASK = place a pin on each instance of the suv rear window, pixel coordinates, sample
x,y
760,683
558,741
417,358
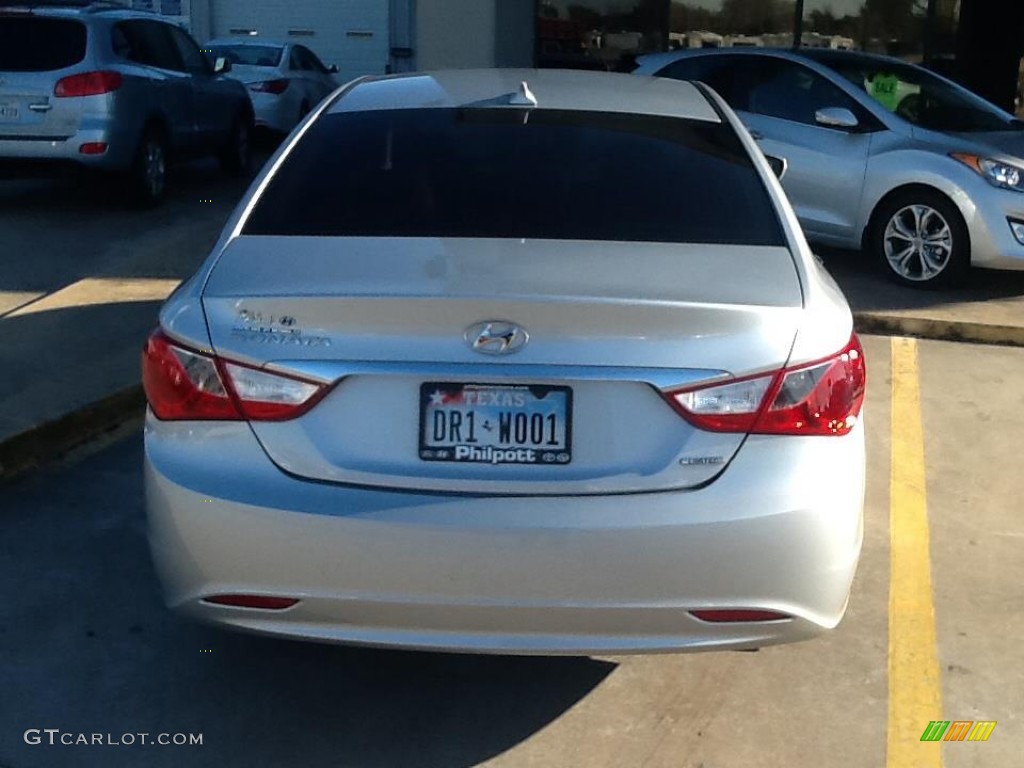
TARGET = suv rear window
x,y
40,45
508,173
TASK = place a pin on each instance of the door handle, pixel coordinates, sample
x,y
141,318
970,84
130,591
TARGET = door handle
x,y
756,135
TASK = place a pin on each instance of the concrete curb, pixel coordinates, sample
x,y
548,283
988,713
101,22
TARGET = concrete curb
x,y
881,324
51,440
47,442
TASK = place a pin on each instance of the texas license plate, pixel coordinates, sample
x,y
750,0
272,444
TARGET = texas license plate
x,y
495,424
8,111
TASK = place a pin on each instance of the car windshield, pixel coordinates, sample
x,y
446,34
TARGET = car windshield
x,y
923,99
34,44
510,173
246,55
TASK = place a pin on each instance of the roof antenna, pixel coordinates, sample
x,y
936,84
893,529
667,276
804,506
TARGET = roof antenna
x,y
524,98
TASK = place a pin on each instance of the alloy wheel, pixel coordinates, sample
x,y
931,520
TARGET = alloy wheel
x,y
918,243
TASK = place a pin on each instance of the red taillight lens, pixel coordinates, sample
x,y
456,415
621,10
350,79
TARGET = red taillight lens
x,y
276,87
185,385
732,615
263,602
88,84
822,398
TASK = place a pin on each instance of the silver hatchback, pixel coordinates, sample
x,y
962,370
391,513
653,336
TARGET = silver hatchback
x,y
882,155
510,361
114,90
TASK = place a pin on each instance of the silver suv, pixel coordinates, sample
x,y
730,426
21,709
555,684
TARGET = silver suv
x,y
112,89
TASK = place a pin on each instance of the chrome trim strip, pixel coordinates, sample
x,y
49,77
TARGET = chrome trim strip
x,y
329,372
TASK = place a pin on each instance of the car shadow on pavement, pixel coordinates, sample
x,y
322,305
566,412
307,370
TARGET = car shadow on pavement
x,y
868,288
89,648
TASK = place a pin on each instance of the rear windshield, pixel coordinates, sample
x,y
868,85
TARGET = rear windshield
x,y
509,173
40,45
248,55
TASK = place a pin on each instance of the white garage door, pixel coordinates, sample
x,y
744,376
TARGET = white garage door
x,y
353,34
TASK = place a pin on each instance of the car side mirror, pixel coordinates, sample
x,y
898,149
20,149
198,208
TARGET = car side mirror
x,y
836,117
222,66
778,165
333,69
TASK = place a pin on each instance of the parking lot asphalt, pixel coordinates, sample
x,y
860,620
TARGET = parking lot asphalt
x,y
84,276
932,632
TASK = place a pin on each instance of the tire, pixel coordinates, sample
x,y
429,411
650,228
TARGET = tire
x,y
148,174
236,156
920,238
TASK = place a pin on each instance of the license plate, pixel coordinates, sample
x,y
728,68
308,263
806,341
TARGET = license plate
x,y
8,111
495,424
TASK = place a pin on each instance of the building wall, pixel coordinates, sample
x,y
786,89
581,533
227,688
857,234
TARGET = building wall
x,y
354,35
455,34
515,32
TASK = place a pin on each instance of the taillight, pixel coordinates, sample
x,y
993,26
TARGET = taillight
x,y
88,84
276,87
821,398
183,384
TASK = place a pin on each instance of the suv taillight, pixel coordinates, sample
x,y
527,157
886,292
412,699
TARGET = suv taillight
x,y
820,398
88,84
184,384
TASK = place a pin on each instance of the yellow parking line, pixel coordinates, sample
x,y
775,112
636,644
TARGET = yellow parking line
x,y
915,695
92,291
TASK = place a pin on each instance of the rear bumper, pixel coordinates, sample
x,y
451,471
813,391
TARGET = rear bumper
x,y
780,530
58,151
275,113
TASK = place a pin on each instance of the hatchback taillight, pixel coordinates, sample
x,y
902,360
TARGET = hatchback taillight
x,y
276,87
820,398
184,384
88,84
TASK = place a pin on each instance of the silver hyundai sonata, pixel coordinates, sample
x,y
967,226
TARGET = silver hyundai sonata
x,y
510,361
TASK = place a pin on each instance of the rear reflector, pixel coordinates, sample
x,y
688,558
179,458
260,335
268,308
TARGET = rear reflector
x,y
730,615
93,148
819,398
184,384
88,84
262,602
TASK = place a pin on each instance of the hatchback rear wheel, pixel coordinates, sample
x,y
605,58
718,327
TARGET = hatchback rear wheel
x,y
921,238
149,171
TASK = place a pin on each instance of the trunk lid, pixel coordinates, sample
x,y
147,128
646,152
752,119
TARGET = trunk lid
x,y
613,322
248,73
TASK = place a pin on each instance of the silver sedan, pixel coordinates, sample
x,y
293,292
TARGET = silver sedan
x,y
510,361
925,176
